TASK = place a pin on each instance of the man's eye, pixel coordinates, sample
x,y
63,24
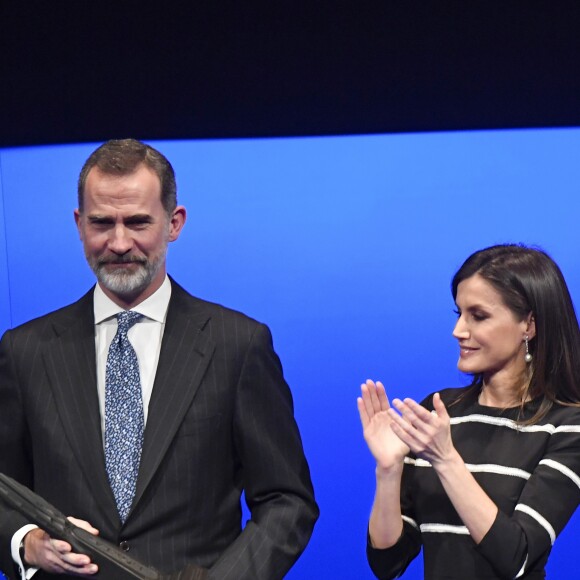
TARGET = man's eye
x,y
138,224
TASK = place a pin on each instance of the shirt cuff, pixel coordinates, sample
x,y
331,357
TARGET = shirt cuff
x,y
25,572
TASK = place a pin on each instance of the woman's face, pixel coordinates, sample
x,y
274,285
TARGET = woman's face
x,y
491,338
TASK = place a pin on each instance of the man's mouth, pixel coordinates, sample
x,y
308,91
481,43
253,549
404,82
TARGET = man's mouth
x,y
122,261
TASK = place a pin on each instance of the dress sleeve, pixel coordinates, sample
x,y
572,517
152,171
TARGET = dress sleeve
x,y
392,562
517,541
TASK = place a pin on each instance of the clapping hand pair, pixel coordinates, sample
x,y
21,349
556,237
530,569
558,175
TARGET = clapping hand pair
x,y
390,435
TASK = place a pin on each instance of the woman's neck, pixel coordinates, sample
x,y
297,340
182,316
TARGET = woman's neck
x,y
504,392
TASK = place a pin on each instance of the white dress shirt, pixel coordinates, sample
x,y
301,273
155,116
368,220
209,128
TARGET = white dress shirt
x,y
145,337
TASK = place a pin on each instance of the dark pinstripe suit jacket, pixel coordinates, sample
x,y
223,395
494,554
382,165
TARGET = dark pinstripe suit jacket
x,y
220,420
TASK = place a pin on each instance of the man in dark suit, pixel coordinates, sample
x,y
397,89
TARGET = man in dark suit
x,y
215,414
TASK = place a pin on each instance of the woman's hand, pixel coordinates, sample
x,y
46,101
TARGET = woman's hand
x,y
373,407
428,435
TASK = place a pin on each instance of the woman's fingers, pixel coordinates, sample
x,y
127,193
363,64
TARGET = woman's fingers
x,y
374,398
426,433
382,397
403,429
415,414
366,399
362,411
440,407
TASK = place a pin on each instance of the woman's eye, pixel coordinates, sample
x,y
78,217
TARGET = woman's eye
x,y
457,311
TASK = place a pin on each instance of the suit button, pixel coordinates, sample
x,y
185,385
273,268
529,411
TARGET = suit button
x,y
124,546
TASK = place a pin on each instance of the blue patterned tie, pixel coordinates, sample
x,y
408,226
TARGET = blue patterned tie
x,y
123,415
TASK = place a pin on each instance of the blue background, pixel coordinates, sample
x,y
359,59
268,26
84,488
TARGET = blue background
x,y
345,247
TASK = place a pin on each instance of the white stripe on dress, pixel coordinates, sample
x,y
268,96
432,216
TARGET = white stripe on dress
x,y
511,424
562,469
410,521
503,422
567,429
523,568
477,468
522,507
418,462
444,529
499,469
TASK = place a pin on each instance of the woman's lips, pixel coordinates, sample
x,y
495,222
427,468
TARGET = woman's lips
x,y
466,351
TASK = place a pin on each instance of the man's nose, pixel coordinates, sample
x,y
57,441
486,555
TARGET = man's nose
x,y
120,241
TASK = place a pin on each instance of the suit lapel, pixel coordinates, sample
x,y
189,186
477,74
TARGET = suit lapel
x,y
186,351
71,368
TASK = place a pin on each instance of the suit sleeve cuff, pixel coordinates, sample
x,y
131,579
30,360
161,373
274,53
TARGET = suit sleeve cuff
x,y
25,572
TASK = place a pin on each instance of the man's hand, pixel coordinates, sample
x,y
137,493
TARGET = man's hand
x,y
56,556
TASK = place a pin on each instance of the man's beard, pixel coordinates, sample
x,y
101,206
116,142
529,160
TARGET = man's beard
x,y
121,281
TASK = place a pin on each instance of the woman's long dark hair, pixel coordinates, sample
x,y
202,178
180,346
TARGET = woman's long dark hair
x,y
529,281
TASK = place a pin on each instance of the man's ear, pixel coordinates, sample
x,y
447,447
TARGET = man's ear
x,y
77,215
176,222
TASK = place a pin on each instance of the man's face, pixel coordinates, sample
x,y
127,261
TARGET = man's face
x,y
125,231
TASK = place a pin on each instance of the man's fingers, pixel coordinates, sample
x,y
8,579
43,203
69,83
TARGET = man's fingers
x,y
84,525
56,556
76,560
60,546
72,563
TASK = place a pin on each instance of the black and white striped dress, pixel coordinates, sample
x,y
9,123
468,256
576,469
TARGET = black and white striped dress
x,y
531,472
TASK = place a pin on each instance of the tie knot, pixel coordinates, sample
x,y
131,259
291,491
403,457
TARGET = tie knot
x,y
127,319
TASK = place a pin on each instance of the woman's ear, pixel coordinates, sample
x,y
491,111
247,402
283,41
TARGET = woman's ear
x,y
530,326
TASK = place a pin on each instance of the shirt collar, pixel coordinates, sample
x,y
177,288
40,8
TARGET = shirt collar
x,y
154,307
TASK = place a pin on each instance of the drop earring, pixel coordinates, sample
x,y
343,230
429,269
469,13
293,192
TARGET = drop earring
x,y
527,356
